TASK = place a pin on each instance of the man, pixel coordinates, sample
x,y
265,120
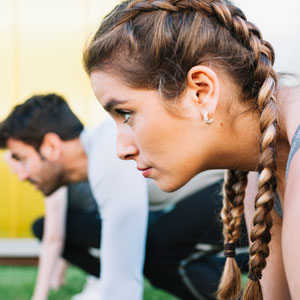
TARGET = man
x,y
46,138
53,150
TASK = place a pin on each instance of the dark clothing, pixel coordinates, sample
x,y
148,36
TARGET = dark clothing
x,y
83,227
82,232
173,262
80,197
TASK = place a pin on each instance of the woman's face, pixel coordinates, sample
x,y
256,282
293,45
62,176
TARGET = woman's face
x,y
167,146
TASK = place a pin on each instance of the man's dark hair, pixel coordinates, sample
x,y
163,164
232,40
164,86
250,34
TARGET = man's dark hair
x,y
40,114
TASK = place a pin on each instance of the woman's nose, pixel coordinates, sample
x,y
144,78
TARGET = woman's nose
x,y
126,148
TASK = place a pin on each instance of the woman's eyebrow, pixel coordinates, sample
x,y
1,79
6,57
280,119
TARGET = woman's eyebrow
x,y
112,102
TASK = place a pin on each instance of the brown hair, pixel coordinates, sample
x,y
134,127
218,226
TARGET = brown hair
x,y
38,115
153,44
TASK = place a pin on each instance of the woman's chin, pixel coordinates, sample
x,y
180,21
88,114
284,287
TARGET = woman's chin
x,y
169,186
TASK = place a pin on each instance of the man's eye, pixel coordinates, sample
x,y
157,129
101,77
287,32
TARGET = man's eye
x,y
16,158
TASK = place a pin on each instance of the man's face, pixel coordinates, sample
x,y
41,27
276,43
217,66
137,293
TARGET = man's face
x,y
30,165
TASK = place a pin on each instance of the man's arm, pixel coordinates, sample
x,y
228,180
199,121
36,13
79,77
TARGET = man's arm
x,y
53,241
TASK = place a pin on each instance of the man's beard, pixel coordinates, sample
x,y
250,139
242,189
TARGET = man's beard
x,y
50,187
53,178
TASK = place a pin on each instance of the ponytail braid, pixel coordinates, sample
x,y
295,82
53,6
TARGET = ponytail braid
x,y
152,44
235,183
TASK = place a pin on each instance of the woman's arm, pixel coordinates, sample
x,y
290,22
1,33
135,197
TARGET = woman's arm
x,y
274,283
53,241
291,225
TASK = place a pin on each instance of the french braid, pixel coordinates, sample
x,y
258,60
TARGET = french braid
x,y
262,222
155,43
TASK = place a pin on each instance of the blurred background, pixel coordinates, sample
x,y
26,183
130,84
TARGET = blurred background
x,y
40,52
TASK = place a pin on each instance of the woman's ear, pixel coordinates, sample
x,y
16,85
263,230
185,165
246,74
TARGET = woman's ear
x,y
51,147
204,84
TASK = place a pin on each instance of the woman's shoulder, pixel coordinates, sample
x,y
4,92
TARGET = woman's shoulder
x,y
288,99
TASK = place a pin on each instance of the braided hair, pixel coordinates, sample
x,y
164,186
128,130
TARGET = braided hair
x,y
153,44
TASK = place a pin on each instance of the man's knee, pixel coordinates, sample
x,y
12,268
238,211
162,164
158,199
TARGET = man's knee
x,y
38,228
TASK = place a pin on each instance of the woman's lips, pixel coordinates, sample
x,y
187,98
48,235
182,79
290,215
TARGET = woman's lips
x,y
145,171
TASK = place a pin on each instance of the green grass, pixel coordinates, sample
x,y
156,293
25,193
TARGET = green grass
x,y
17,283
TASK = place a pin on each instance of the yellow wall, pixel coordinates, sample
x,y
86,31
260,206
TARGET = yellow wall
x,y
40,52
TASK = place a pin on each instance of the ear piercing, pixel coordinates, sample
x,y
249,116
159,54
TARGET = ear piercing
x,y
207,119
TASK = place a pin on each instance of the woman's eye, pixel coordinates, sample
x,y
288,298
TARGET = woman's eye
x,y
126,114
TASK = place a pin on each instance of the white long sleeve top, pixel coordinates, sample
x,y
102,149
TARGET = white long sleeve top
x,y
121,193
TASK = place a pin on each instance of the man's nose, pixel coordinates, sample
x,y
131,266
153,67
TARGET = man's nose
x,y
22,174
126,148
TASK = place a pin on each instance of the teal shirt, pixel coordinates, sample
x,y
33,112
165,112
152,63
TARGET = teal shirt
x,y
294,148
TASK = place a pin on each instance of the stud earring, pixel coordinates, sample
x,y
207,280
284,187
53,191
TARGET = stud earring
x,y
207,119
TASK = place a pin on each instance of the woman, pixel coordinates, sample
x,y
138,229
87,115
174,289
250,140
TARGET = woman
x,y
191,86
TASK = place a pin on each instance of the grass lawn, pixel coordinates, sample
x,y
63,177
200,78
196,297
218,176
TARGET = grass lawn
x,y
17,283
